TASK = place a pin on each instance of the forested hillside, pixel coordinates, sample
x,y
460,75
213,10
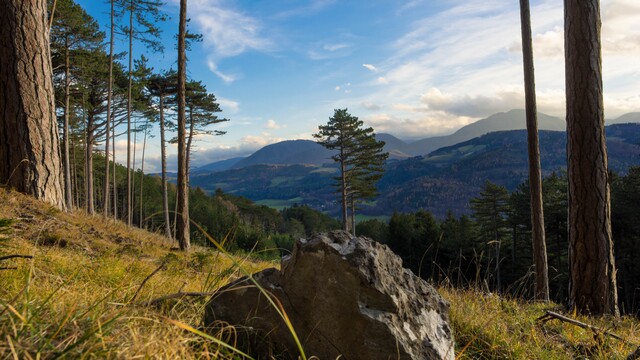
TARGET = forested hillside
x,y
443,180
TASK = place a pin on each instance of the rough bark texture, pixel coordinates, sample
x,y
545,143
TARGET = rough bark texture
x,y
535,177
346,297
592,287
163,155
107,137
29,152
182,223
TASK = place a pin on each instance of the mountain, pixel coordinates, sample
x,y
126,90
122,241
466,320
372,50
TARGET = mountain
x,y
511,120
218,165
633,117
288,153
443,180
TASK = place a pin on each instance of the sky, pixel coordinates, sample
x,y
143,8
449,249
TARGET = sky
x,y
411,68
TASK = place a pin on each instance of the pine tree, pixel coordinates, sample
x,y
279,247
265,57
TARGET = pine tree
x,y
359,156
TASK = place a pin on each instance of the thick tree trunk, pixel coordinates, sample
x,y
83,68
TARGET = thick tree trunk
x,y
535,177
108,124
29,152
592,287
182,223
163,155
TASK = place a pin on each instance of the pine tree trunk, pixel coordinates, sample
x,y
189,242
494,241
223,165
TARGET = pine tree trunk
x,y
88,176
108,124
343,194
29,150
163,155
182,223
535,177
65,135
129,185
144,146
592,287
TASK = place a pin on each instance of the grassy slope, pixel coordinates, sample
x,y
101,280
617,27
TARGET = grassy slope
x,y
71,298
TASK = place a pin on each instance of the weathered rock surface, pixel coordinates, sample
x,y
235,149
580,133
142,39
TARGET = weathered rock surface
x,y
345,296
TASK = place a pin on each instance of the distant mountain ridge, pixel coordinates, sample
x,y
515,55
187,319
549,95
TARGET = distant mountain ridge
x,y
443,180
308,152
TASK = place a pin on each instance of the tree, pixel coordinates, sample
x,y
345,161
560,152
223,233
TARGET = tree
x,y
359,156
182,223
592,286
201,107
490,211
162,86
368,168
144,16
29,153
535,177
73,33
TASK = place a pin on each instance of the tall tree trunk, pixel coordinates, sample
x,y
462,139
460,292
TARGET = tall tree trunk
x,y
163,155
592,287
108,124
129,186
29,144
182,224
65,135
115,183
535,177
343,194
144,146
88,175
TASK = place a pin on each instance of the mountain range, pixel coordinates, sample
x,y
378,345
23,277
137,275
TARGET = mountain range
x,y
437,174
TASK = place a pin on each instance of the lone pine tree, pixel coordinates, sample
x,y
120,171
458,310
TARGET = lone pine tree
x,y
359,155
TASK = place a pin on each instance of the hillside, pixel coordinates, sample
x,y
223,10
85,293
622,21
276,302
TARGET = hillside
x,y
443,180
96,288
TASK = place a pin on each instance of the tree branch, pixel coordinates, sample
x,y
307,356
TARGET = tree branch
x,y
550,315
6,257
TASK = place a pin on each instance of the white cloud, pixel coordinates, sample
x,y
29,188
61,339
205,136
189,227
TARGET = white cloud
x,y
271,124
337,88
370,67
226,31
228,79
335,47
370,105
229,106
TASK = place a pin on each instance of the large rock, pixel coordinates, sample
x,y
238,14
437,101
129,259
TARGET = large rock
x,y
345,296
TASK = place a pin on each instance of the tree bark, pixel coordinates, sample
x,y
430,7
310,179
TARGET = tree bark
x,y
535,177
108,124
129,185
163,155
29,152
182,223
65,135
592,286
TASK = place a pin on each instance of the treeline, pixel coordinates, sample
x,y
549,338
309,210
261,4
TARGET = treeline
x,y
104,96
492,248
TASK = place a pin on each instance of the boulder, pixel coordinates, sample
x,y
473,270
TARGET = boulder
x,y
345,296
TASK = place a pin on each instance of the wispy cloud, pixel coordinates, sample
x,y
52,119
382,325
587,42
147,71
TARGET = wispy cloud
x,y
227,32
370,67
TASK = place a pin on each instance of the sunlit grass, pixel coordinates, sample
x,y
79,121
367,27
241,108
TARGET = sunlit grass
x,y
487,326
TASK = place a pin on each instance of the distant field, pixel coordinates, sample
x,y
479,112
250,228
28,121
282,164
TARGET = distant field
x,y
360,218
279,204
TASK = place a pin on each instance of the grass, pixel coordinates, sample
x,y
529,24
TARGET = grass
x,y
487,326
73,298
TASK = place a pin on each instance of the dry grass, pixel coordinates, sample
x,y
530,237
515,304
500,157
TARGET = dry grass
x,y
72,299
490,327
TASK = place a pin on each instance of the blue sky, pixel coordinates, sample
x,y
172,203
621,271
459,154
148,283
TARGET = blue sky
x,y
412,68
